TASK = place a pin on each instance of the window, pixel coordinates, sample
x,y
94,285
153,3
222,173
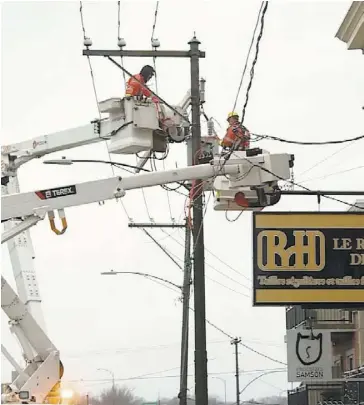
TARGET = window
x,y
350,362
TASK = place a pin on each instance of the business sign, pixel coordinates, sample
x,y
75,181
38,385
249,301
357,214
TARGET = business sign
x,y
308,258
309,355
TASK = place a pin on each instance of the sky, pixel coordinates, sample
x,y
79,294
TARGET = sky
x,y
307,86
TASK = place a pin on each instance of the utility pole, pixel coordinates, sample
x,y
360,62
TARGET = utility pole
x,y
185,296
185,317
201,389
235,342
194,54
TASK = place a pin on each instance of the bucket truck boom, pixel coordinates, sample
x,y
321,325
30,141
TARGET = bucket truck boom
x,y
122,117
132,126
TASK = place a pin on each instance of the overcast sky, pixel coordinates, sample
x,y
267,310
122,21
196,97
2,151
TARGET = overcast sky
x,y
307,86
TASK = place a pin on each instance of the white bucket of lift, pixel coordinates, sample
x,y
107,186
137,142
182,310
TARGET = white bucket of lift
x,y
140,131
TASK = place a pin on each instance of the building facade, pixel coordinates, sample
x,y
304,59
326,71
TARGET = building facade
x,y
347,350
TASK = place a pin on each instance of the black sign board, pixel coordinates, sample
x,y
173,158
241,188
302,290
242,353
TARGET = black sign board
x,y
308,258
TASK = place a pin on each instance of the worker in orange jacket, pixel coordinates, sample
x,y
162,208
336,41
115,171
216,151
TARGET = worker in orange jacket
x,y
135,86
237,136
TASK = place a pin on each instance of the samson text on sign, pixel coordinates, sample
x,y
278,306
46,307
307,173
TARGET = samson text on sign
x,y
308,258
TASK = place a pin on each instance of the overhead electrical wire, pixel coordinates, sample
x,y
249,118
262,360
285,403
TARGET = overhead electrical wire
x,y
225,333
243,344
209,265
138,349
326,158
180,266
221,261
168,199
152,41
309,143
332,174
89,61
157,91
252,73
252,69
119,40
97,100
303,187
247,57
151,376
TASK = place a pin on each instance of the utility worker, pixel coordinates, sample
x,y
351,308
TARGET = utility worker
x,y
237,136
135,83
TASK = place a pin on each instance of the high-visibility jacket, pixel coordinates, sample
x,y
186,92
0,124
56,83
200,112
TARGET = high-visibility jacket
x,y
238,136
134,88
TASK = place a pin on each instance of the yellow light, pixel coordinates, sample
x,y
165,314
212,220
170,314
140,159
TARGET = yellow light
x,y
66,393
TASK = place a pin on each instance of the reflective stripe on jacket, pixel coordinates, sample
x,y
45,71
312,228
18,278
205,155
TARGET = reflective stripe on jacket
x,y
238,136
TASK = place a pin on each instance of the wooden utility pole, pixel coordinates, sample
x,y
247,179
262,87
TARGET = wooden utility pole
x,y
194,54
185,317
236,342
201,389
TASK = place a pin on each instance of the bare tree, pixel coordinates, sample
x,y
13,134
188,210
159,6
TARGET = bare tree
x,y
118,396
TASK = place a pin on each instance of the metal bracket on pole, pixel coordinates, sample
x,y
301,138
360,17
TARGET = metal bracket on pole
x,y
23,226
141,53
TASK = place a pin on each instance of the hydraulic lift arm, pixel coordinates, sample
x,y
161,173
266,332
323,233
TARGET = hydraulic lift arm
x,y
37,203
46,363
21,250
242,174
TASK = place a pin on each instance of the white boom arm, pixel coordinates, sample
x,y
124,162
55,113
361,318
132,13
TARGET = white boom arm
x,y
40,202
246,175
20,247
46,363
132,127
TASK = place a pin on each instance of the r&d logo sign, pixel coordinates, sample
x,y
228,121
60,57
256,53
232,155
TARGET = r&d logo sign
x,y
305,253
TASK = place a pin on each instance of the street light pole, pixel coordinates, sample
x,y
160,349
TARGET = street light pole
x,y
113,382
138,273
224,381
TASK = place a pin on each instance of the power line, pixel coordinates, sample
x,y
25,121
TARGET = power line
x,y
138,349
218,271
154,43
243,344
151,377
262,16
120,40
332,174
326,158
208,277
85,38
88,41
226,334
226,264
262,354
168,198
128,350
332,142
209,265
303,187
247,57
155,20
230,336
